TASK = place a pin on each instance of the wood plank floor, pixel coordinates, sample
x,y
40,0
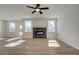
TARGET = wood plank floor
x,y
35,47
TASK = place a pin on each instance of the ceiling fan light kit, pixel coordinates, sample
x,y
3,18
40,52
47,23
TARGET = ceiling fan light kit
x,y
38,9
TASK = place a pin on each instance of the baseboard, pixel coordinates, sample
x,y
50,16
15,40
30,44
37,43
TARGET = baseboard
x,y
70,45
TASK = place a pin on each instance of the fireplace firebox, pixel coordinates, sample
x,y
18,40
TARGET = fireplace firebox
x,y
39,32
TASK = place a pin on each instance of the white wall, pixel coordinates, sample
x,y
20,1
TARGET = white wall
x,y
39,22
2,28
68,27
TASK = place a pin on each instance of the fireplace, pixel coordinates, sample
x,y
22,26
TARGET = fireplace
x,y
39,32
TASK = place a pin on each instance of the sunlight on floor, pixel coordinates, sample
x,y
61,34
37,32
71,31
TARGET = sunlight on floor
x,y
2,38
53,43
13,39
13,44
51,40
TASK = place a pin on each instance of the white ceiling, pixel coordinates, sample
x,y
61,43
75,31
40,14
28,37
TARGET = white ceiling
x,y
19,11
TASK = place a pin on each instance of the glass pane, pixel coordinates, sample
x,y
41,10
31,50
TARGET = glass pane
x,y
0,25
28,26
20,27
51,26
12,27
20,32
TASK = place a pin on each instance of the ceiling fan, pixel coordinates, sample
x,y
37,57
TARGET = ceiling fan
x,y
38,9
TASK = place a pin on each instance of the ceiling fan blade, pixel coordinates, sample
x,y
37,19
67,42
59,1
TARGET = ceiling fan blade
x,y
44,8
40,12
30,7
33,11
37,6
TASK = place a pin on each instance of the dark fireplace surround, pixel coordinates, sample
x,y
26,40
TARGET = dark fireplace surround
x,y
39,32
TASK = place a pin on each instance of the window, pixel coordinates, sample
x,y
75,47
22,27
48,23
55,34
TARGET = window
x,y
28,26
21,27
20,33
51,26
11,26
0,25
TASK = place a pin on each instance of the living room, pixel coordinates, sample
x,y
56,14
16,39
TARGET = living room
x,y
52,31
